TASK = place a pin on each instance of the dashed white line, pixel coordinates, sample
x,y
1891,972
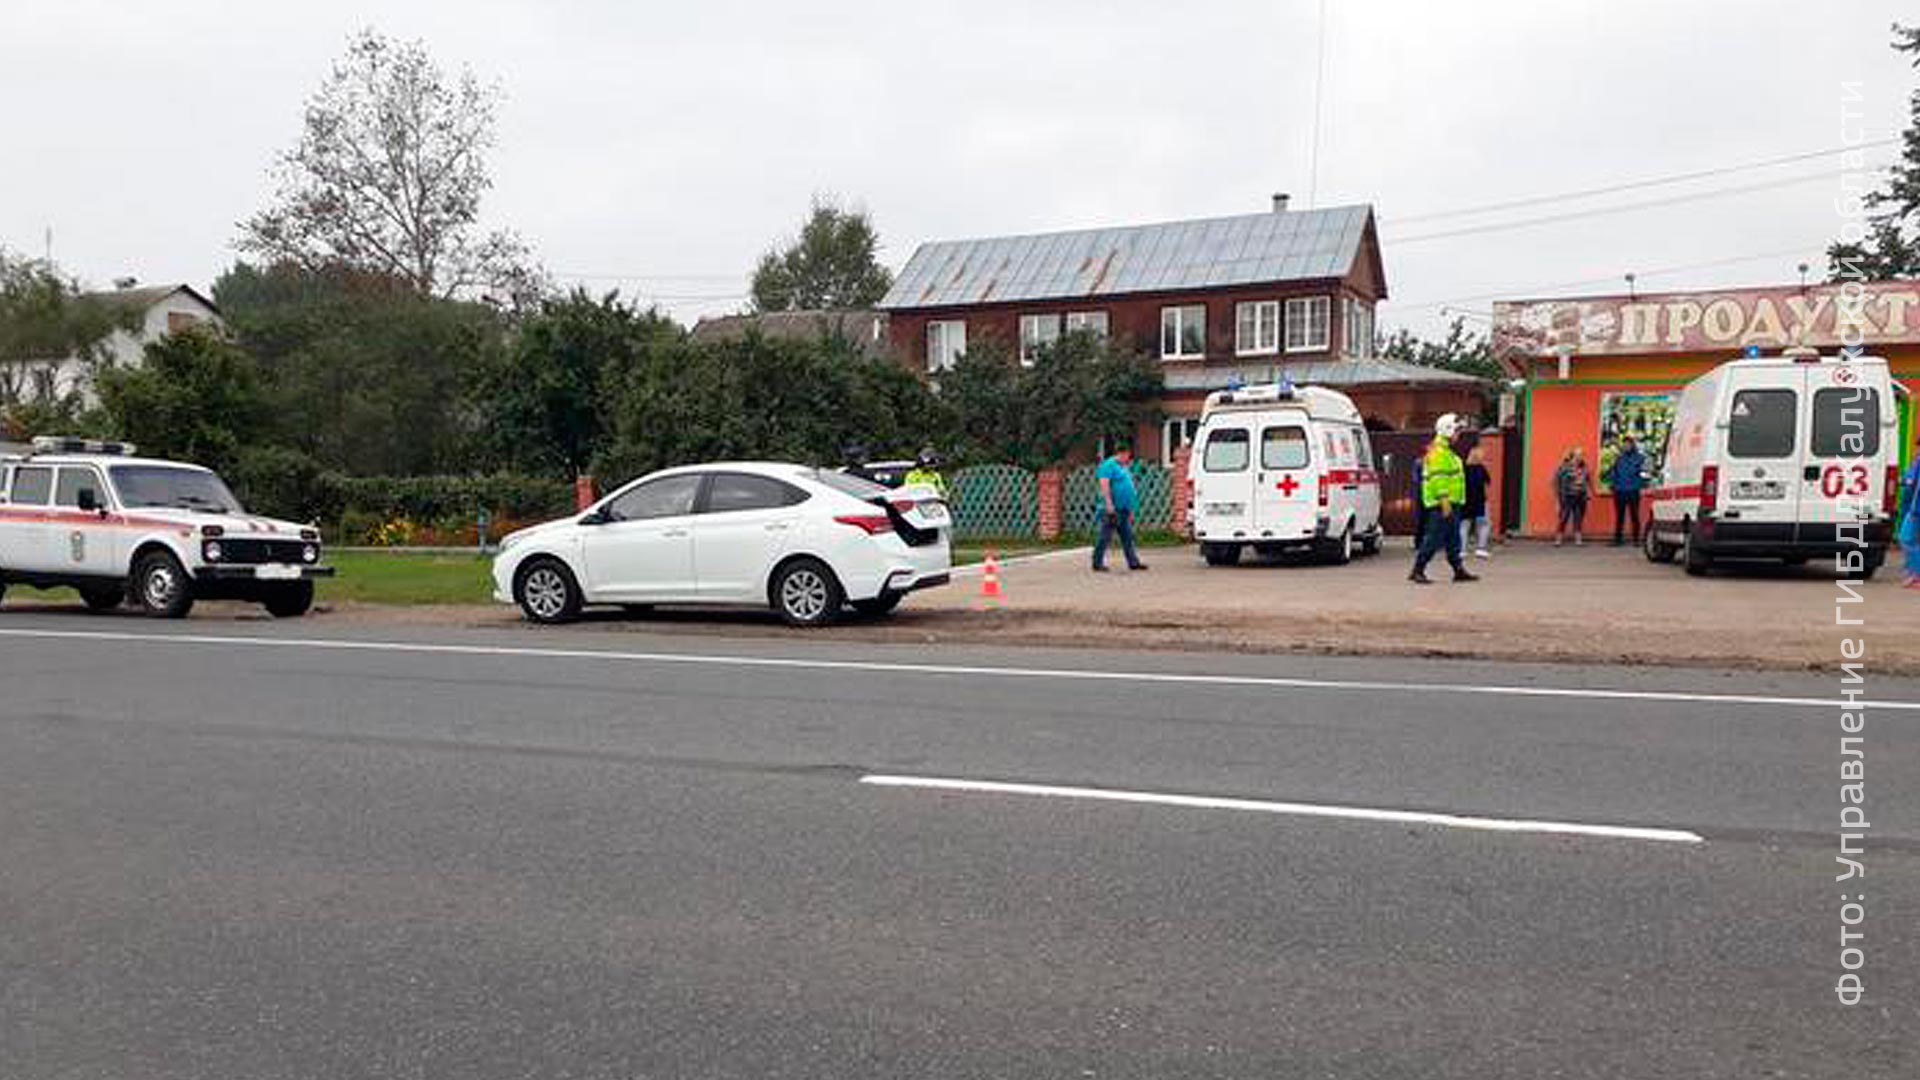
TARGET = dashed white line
x,y
1277,682
1262,806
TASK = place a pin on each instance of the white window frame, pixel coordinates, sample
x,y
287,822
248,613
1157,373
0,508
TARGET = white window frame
x,y
1300,318
942,348
1178,314
1265,316
1175,432
1034,333
1356,328
1094,321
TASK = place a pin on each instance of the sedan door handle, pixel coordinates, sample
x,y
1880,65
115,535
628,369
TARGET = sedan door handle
x,y
673,532
776,526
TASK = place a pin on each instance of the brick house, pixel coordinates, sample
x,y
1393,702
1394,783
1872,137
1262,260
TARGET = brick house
x,y
1248,298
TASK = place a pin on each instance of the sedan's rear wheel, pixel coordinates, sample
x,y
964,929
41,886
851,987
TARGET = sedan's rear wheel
x,y
805,593
547,592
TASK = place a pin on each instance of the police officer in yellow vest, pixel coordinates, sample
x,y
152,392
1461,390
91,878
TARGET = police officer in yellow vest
x,y
1443,487
926,472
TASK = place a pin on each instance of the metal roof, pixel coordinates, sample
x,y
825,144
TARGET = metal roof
x,y
1247,249
1334,373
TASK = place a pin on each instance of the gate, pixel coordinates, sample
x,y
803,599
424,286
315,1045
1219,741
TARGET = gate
x,y
1394,453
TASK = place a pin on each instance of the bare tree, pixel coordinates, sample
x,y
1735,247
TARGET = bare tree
x,y
388,176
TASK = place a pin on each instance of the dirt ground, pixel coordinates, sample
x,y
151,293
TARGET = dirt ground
x,y
1593,604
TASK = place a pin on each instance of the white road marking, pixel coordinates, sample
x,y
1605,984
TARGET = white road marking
x,y
975,568
1353,813
1272,682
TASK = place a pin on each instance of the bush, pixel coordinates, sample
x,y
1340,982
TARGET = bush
x,y
364,509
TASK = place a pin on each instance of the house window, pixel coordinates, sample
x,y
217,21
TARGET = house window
x,y
1307,318
1183,332
1176,433
1094,322
1036,332
1357,328
181,320
1256,328
946,340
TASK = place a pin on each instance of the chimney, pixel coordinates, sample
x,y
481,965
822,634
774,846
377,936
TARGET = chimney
x,y
1280,202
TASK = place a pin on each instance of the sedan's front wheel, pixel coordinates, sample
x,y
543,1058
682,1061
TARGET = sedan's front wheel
x,y
547,592
805,593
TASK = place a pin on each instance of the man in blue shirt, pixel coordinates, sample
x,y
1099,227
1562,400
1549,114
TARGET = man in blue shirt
x,y
1118,500
1627,476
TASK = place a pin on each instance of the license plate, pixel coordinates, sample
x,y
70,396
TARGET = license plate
x,y
1223,509
276,572
1758,489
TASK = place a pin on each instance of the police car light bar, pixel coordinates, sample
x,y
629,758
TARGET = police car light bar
x,y
64,444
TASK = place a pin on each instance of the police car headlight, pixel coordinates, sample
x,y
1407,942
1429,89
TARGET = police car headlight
x,y
311,553
211,549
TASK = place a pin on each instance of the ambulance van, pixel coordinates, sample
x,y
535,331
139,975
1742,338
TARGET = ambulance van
x,y
1787,457
1276,468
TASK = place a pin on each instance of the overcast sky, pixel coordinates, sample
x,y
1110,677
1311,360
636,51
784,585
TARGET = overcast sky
x,y
659,148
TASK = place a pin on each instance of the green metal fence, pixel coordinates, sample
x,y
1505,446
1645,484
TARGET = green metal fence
x,y
995,501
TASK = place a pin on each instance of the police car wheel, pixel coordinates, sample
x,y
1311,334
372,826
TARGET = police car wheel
x,y
805,593
289,601
161,587
547,592
103,599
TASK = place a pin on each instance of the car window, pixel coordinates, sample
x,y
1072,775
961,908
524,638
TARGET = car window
x,y
32,485
1364,445
1285,447
1226,450
169,485
848,484
6,482
1762,423
744,491
669,496
72,481
1846,422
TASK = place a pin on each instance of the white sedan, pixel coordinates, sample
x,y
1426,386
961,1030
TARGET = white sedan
x,y
807,542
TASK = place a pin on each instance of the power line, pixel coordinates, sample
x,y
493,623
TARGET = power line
x,y
1632,185
1602,211
1536,290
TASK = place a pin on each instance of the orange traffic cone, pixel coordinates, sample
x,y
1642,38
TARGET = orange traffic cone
x,y
990,579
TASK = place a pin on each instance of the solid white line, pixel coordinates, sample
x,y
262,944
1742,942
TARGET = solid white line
x,y
1276,682
1354,813
974,568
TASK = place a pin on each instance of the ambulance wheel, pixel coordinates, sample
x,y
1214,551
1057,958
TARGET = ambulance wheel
x,y
289,601
1656,551
1220,554
1869,568
105,598
1697,562
160,586
1370,543
1340,552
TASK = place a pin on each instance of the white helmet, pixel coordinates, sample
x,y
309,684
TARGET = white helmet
x,y
1447,426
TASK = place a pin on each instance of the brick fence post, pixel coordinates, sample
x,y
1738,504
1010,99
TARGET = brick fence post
x,y
1049,486
1182,493
582,492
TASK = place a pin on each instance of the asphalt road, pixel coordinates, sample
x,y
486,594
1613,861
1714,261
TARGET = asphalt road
x,y
271,850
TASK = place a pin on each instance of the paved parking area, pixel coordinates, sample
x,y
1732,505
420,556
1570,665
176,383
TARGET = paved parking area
x,y
1535,601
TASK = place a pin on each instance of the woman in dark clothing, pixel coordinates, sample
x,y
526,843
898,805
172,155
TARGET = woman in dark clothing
x,y
1474,525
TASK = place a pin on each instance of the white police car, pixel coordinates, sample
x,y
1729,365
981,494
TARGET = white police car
x,y
90,515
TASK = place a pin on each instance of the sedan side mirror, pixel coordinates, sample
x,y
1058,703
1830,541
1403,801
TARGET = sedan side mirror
x,y
596,517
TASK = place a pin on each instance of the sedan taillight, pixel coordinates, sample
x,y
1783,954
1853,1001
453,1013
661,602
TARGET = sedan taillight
x,y
871,524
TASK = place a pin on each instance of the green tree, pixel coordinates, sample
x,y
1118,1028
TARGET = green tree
x,y
388,176
764,398
547,405
833,265
365,375
1077,391
197,397
1892,245
1465,351
46,319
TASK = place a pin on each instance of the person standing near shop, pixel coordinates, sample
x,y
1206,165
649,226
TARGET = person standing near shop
x,y
1443,489
1910,524
1626,477
1572,482
1118,500
1475,529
